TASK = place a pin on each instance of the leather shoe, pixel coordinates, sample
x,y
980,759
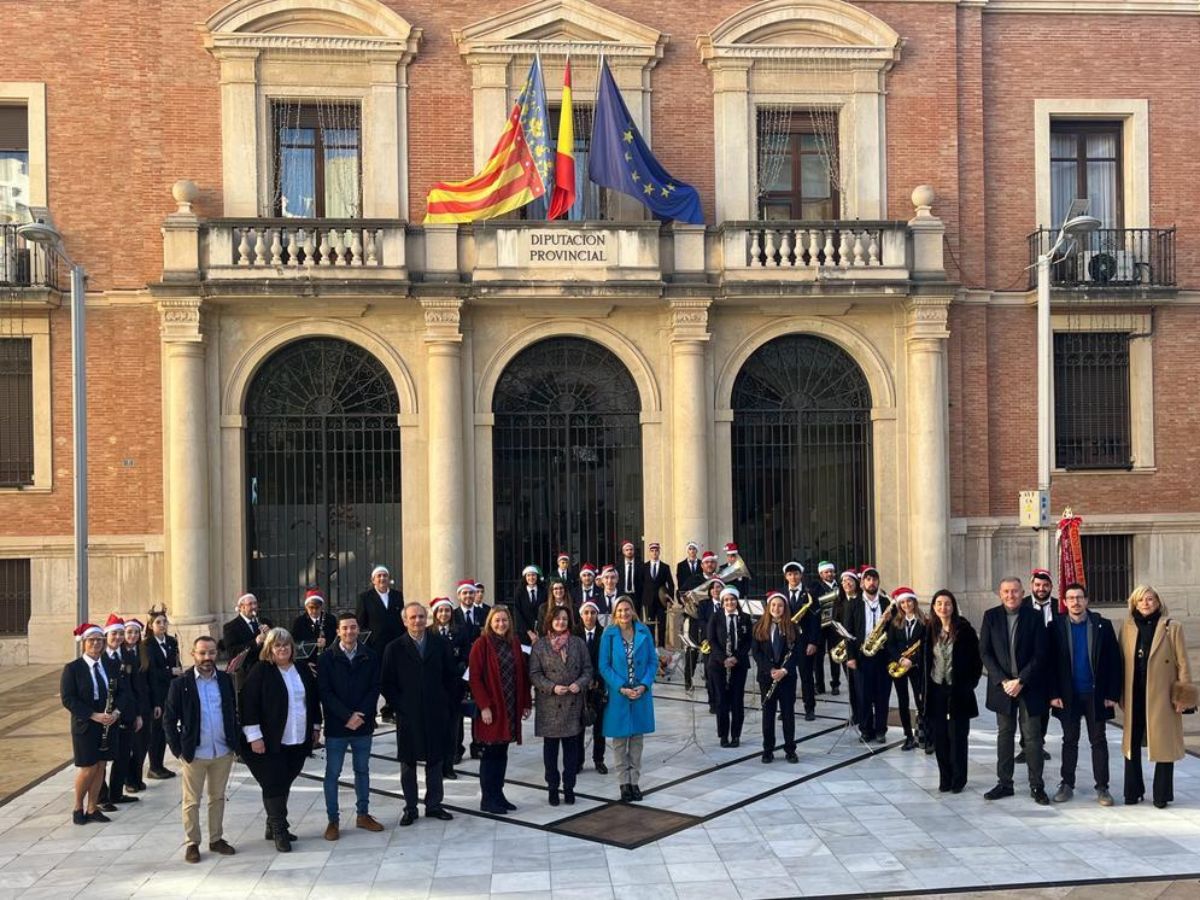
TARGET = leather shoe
x,y
724,742
626,793
223,847
1065,792
107,807
282,844
881,738
835,690
269,834
998,792
554,797
1160,804
494,808
635,793
1134,801
569,798
123,799
601,767
957,789
160,774
792,757
1019,759
810,716
1039,797
450,775
1104,798
735,742
768,756
332,831
367,823
96,816
438,813
909,744
509,806
191,854
79,817
943,788
408,818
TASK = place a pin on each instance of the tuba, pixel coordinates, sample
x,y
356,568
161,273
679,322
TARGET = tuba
x,y
894,667
874,641
827,601
734,571
692,599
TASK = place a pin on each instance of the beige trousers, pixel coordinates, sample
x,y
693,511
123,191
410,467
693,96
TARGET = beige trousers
x,y
195,774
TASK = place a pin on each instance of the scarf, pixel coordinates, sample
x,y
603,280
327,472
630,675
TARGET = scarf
x,y
558,643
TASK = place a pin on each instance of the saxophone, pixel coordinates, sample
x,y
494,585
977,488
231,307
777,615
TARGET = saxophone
x,y
874,641
894,668
841,650
109,703
800,613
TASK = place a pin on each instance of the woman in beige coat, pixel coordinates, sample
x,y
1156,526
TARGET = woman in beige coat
x,y
1157,690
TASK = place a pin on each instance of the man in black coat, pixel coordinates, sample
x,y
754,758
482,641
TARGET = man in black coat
x,y
348,682
380,611
1013,644
597,698
244,633
85,689
315,626
826,583
871,681
656,578
687,572
203,742
418,677
526,599
809,626
629,572
1045,605
1086,679
732,557
470,615
563,571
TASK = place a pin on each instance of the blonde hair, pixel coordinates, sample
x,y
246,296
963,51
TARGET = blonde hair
x,y
276,636
1140,592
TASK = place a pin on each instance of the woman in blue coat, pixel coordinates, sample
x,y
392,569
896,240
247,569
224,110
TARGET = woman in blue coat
x,y
628,664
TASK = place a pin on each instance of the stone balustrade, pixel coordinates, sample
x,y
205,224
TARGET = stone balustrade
x,y
814,250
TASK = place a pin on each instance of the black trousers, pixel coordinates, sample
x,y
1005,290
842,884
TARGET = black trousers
x,y
120,741
572,760
433,785
1006,729
829,640
874,688
950,738
806,670
783,705
852,690
597,701
493,765
731,701
1084,709
455,730
275,773
157,745
137,755
912,679
1164,772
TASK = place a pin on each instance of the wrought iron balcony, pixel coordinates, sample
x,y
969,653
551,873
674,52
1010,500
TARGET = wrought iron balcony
x,y
1110,259
25,264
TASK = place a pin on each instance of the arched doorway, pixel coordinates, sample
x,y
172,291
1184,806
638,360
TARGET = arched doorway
x,y
322,474
566,457
801,457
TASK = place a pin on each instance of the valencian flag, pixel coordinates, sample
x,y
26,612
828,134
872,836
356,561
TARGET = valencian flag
x,y
516,173
621,160
563,197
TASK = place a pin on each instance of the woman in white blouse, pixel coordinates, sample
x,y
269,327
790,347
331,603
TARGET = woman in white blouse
x,y
281,719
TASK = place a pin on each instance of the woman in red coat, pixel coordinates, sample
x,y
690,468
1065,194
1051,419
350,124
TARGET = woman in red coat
x,y
499,677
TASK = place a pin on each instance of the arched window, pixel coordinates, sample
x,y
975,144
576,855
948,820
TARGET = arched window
x,y
567,458
322,474
801,457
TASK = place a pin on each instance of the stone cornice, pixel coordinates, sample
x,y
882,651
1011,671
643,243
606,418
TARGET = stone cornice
x,y
442,319
182,320
927,318
1090,7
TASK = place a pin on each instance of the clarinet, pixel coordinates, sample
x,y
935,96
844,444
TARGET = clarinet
x,y
729,653
109,702
774,684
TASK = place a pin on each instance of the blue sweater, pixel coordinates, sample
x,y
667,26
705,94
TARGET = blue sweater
x,y
1081,663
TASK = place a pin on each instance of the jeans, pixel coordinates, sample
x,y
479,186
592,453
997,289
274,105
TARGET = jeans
x,y
1084,708
1031,727
335,757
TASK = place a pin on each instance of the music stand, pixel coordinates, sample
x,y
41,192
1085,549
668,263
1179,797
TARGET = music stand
x,y
693,738
303,650
849,709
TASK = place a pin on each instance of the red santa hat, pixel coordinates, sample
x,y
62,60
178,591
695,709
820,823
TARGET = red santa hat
x,y
562,555
773,594
466,585
608,570
625,544
439,602
707,554
850,573
903,593
587,567
313,595
868,569
731,548
134,623
114,623
1041,573
88,630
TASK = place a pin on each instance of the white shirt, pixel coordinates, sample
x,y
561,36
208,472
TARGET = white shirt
x,y
1045,609
297,716
383,598
872,612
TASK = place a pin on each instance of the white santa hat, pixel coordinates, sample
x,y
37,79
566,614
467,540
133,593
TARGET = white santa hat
x,y
380,570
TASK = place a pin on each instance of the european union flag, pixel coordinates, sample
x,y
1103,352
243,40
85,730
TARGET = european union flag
x,y
619,159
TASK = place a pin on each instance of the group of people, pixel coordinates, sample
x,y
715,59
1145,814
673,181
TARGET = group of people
x,y
579,656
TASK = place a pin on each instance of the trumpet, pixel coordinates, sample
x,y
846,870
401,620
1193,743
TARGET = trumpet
x,y
894,668
874,641
838,654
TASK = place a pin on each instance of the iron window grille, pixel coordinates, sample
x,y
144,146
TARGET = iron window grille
x,y
15,598
1108,563
16,412
1091,400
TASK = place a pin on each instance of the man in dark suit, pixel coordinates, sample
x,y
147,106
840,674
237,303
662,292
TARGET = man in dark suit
x,y
563,571
244,633
587,589
687,571
809,627
1013,644
589,615
84,688
1086,680
526,599
199,720
629,572
315,626
417,680
119,667
826,583
871,680
470,615
380,611
656,577
1046,606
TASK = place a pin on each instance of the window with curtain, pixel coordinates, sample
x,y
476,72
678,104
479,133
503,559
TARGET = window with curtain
x,y
591,201
1091,400
1085,162
794,176
318,160
14,160
16,412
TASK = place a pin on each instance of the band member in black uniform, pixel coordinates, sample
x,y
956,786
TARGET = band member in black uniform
x,y
94,702
120,736
656,578
908,628
160,661
851,594
470,614
1046,605
380,611
629,572
563,571
687,572
827,583
741,584
586,589
558,599
138,741
872,681
775,652
809,629
607,600
315,626
728,662
697,624
597,697
526,600
705,611
244,633
460,639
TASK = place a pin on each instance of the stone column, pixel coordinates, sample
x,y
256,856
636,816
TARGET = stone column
x,y
444,411
689,417
927,414
187,593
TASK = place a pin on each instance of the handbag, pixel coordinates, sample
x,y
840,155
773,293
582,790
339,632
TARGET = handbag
x,y
1185,694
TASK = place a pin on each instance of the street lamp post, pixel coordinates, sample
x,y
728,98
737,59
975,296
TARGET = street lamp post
x,y
47,235
1074,225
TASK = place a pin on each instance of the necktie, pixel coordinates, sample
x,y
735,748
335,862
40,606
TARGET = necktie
x,y
794,599
444,630
533,595
693,565
100,682
776,643
732,634
628,576
254,626
654,570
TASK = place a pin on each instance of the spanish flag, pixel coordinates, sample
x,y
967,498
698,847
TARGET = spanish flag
x,y
516,173
563,197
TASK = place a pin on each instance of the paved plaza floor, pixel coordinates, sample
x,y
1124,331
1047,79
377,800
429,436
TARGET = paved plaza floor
x,y
847,820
